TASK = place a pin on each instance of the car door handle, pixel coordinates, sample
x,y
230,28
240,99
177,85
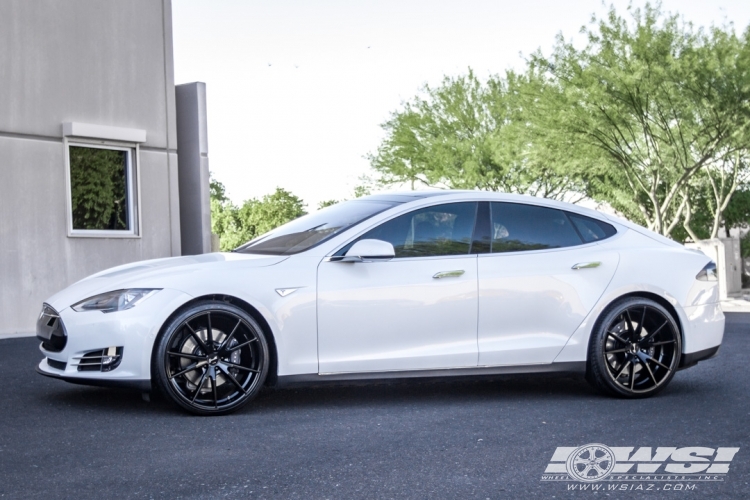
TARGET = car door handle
x,y
448,274
586,265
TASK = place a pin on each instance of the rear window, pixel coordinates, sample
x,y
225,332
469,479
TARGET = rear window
x,y
591,229
518,227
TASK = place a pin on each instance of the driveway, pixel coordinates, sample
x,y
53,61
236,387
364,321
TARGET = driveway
x,y
488,438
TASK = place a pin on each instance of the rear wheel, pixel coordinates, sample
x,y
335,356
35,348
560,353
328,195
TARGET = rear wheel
x,y
212,359
635,350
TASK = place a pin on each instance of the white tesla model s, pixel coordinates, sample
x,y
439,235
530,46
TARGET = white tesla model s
x,y
391,286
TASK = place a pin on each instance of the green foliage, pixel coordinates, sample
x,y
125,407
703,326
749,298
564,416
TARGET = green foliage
x,y
217,191
737,214
364,189
327,203
662,101
468,135
651,117
745,246
98,182
237,225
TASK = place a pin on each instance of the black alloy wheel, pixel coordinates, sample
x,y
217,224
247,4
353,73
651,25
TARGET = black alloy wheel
x,y
635,349
211,359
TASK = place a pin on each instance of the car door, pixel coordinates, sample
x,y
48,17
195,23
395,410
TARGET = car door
x,y
416,311
543,275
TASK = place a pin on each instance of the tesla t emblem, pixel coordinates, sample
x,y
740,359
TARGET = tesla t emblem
x,y
286,291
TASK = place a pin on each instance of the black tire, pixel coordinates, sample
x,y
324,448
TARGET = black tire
x,y
211,359
634,350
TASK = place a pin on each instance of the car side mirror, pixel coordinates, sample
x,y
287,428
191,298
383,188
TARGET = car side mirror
x,y
369,251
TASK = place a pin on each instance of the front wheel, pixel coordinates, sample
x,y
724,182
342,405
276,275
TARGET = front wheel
x,y
635,349
211,359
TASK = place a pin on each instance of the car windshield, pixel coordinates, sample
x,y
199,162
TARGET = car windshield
x,y
307,231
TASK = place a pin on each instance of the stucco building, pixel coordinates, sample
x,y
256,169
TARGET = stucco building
x,y
91,175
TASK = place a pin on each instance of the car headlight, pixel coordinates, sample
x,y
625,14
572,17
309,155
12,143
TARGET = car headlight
x,y
118,300
708,273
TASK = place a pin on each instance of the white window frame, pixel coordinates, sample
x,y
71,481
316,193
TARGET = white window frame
x,y
133,183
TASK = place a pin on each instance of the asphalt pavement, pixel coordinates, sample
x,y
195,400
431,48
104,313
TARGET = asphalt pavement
x,y
448,438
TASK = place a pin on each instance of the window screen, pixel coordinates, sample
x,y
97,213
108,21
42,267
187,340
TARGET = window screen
x,y
517,227
439,230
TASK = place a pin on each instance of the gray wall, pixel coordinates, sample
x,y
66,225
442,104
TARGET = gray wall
x,y
192,137
90,61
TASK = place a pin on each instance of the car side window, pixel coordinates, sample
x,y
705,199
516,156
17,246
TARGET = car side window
x,y
517,227
440,230
591,229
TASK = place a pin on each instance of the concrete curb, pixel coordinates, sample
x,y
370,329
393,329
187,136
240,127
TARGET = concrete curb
x,y
735,305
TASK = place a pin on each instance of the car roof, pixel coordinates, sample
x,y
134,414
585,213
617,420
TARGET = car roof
x,y
407,196
448,194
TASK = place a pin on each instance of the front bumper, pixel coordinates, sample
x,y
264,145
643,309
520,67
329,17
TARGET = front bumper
x,y
133,332
140,385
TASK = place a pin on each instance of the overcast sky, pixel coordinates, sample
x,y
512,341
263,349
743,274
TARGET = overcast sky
x,y
297,90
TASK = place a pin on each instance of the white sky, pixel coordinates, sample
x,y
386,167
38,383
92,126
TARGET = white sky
x,y
297,90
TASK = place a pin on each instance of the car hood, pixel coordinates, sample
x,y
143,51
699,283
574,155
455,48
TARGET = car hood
x,y
149,273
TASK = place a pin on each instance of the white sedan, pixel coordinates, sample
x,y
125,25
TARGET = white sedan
x,y
392,286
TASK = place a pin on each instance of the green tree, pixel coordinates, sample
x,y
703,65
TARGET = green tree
x,y
668,106
260,216
237,225
467,135
217,191
651,116
327,203
737,213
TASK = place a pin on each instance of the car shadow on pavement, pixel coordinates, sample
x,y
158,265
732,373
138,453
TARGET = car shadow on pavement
x,y
507,389
393,393
345,394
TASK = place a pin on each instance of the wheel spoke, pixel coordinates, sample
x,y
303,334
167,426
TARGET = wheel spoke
x,y
614,351
197,338
624,367
652,334
240,346
228,374
632,375
663,342
651,358
239,367
640,325
186,355
629,322
190,368
200,386
650,373
618,337
212,376
230,336
209,332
